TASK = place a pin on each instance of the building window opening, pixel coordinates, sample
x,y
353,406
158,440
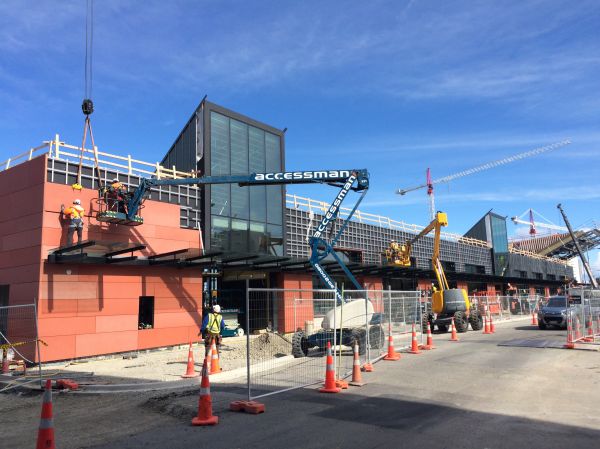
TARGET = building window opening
x,y
146,312
4,291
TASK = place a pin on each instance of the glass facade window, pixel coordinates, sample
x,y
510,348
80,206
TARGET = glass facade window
x,y
256,212
219,145
239,236
219,232
499,244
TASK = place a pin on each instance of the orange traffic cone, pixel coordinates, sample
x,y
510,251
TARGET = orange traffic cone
x,y
205,416
570,344
429,344
486,327
454,337
189,372
214,359
45,439
356,374
590,331
534,321
414,348
492,327
577,326
329,374
392,354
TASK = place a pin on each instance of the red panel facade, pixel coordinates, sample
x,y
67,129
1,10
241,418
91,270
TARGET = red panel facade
x,y
87,310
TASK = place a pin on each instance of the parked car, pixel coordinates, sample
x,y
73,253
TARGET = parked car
x,y
553,313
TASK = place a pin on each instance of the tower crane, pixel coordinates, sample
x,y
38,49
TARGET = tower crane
x,y
517,157
533,225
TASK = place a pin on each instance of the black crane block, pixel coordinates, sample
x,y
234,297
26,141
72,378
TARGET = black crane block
x,y
87,106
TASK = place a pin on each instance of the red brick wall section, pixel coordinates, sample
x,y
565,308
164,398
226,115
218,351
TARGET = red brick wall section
x,y
294,307
462,285
424,284
371,283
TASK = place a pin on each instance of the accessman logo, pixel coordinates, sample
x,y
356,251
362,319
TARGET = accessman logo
x,y
334,207
327,280
291,175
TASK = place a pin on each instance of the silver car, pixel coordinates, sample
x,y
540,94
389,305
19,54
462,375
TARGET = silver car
x,y
554,313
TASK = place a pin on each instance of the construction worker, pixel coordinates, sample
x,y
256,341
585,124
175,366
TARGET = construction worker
x,y
75,215
117,194
212,326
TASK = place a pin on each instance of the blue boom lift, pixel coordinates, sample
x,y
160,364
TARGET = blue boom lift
x,y
356,180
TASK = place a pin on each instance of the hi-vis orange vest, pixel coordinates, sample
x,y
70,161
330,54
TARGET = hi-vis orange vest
x,y
75,211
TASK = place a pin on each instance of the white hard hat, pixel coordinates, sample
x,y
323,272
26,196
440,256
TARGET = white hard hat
x,y
77,201
115,180
217,308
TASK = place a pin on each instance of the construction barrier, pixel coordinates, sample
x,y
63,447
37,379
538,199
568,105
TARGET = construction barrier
x,y
501,308
583,320
290,330
19,343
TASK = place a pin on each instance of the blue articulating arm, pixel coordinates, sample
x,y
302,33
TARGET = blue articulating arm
x,y
321,248
357,180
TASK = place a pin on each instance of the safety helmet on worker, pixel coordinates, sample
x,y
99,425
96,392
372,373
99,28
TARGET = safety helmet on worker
x,y
115,180
77,202
217,308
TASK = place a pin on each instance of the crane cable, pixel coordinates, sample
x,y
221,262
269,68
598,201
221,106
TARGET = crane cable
x,y
88,106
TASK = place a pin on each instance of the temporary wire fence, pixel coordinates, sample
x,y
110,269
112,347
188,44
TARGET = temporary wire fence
x,y
502,308
19,341
289,330
583,319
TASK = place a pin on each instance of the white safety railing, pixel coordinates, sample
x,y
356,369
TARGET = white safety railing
x,y
320,207
60,150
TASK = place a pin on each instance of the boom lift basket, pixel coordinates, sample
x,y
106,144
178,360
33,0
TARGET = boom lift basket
x,y
112,210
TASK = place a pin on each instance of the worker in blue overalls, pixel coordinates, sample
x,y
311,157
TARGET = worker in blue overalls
x,y
212,326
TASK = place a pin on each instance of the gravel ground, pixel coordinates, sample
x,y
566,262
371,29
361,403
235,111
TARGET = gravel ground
x,y
169,364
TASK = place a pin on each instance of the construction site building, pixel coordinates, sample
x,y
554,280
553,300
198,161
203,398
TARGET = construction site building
x,y
128,288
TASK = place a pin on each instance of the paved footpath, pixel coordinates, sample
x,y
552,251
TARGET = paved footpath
x,y
471,394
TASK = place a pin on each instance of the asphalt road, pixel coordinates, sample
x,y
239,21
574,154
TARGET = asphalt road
x,y
471,394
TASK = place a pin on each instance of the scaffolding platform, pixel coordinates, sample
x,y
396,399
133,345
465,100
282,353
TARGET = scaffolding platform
x,y
118,218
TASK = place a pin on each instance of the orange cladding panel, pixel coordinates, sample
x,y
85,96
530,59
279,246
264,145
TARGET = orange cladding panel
x,y
106,343
154,338
115,323
58,348
52,327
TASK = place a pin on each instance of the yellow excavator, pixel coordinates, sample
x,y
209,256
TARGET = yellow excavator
x,y
446,302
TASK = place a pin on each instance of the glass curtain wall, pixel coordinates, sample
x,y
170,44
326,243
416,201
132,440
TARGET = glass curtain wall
x,y
499,244
245,219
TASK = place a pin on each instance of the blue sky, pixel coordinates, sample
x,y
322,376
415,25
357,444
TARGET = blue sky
x,y
392,86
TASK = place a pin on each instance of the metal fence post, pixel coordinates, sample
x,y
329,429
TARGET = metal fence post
x,y
248,337
368,343
390,309
403,315
335,322
37,343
